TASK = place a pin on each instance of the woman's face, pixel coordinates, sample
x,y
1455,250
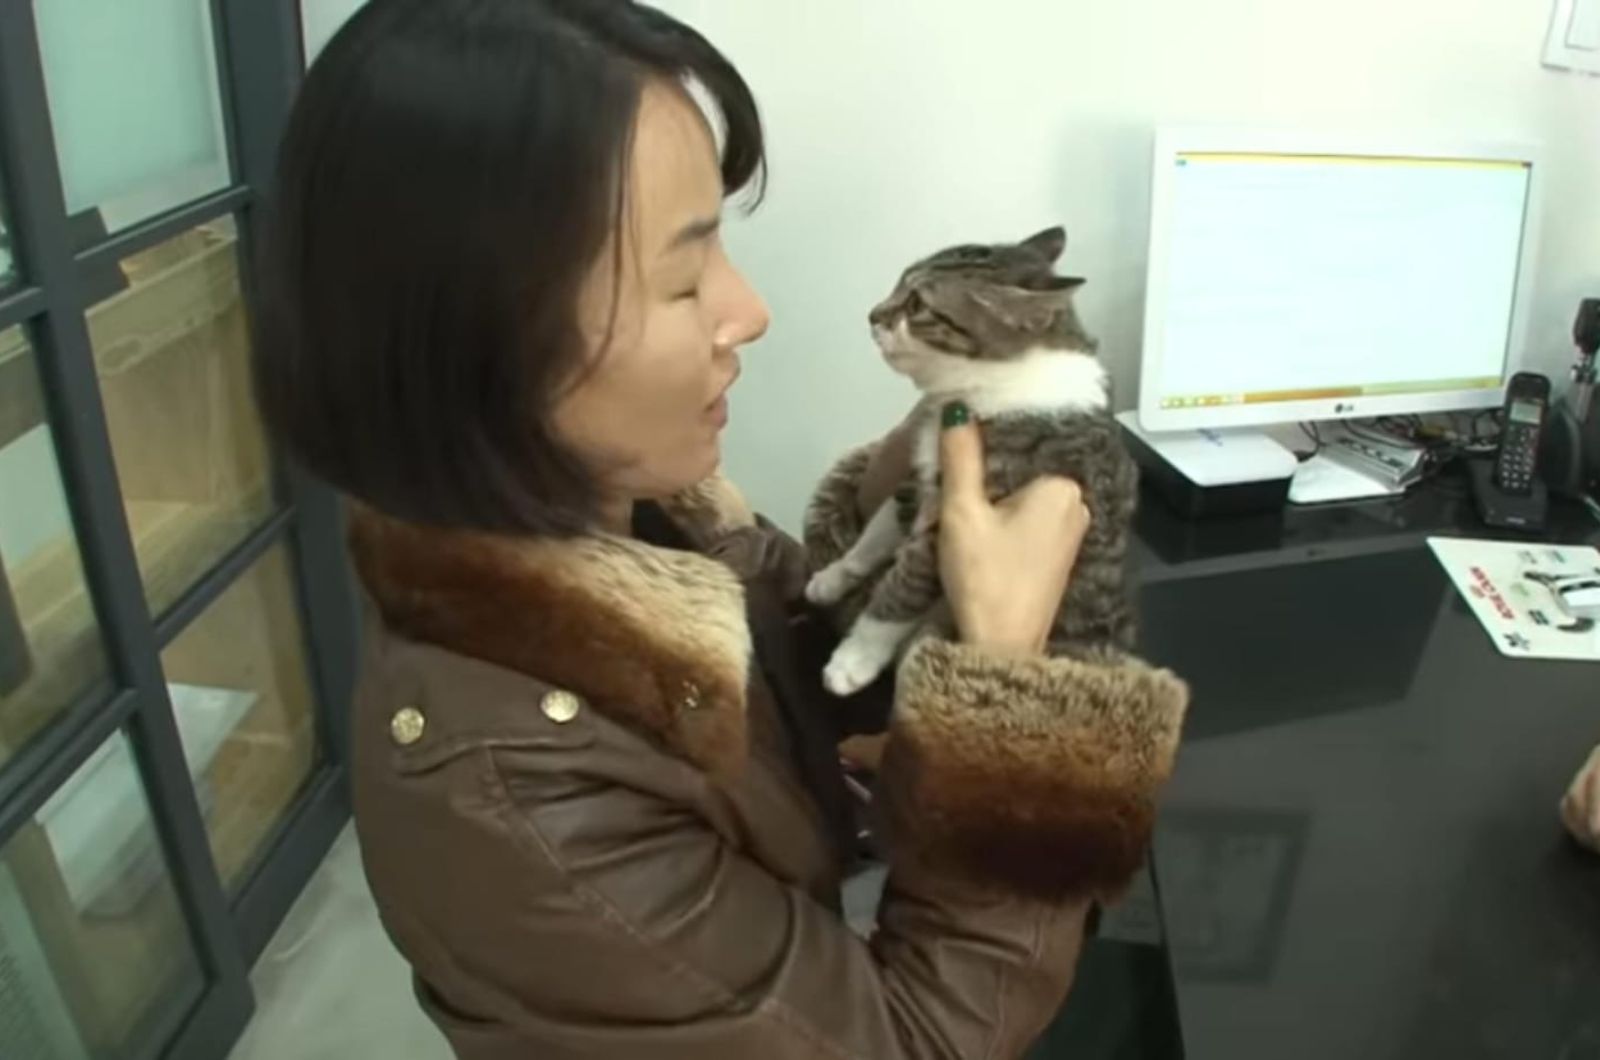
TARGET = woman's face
x,y
648,415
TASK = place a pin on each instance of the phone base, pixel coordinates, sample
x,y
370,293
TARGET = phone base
x,y
1510,511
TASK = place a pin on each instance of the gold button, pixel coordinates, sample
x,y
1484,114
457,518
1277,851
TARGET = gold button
x,y
560,707
407,726
692,699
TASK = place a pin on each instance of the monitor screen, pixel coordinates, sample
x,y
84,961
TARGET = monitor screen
x,y
1301,277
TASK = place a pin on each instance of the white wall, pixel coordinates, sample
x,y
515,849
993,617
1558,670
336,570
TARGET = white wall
x,y
320,19
900,125
897,126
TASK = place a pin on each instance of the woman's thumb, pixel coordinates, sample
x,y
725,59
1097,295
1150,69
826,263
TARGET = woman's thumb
x,y
960,457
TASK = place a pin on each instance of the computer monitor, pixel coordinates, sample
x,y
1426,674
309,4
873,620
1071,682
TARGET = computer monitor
x,y
1297,277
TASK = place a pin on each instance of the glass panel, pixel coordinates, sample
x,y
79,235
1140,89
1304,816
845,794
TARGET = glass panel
x,y
172,349
245,710
50,647
93,945
134,103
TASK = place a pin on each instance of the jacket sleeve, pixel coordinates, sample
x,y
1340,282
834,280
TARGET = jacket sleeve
x,y
636,919
629,923
703,953
1039,773
639,922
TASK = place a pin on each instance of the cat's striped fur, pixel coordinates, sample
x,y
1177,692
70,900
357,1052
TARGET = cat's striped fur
x,y
994,327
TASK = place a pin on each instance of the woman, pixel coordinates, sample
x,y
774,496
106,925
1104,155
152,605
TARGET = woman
x,y
593,771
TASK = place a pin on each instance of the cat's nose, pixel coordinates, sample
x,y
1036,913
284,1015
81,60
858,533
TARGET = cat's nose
x,y
879,317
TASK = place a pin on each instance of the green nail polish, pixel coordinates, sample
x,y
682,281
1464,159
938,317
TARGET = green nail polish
x,y
956,414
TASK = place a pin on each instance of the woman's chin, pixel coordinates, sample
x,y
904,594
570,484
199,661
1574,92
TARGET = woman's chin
x,y
711,461
691,471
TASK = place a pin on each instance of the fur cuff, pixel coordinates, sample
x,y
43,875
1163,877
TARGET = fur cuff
x,y
833,521
1036,776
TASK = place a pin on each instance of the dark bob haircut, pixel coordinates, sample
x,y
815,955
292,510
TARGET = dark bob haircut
x,y
451,172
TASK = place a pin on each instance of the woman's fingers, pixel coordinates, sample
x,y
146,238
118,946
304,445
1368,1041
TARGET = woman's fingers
x,y
1049,497
1004,567
1580,808
960,461
864,752
1569,813
1594,798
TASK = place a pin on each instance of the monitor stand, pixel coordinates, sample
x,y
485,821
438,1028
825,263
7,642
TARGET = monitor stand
x,y
1237,471
1210,473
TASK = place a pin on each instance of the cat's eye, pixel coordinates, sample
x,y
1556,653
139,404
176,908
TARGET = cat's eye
x,y
918,310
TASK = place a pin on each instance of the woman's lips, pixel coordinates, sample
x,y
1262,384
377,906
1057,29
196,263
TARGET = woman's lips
x,y
717,411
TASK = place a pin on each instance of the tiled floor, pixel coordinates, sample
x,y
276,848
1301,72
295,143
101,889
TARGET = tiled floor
x,y
330,986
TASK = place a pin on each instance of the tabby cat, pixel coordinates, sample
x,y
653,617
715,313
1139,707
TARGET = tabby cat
x,y
994,327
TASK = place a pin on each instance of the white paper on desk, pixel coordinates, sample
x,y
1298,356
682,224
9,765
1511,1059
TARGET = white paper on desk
x,y
1500,580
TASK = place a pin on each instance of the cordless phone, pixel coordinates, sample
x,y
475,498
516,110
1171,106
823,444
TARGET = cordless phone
x,y
1527,405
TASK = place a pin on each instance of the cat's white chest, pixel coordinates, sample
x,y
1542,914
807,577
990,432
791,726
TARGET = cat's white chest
x,y
1044,381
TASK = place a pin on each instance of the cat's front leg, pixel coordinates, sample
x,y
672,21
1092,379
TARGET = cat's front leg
x,y
875,547
870,648
900,601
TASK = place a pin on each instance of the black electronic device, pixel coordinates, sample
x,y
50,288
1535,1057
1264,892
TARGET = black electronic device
x,y
1508,511
1522,422
1586,329
1509,492
1570,460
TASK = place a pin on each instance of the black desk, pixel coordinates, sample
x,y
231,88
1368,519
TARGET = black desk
x,y
1359,854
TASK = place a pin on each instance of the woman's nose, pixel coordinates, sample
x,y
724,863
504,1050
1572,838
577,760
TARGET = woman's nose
x,y
745,328
747,317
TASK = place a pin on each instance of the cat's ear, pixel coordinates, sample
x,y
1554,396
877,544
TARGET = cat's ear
x,y
1051,243
1018,308
1055,284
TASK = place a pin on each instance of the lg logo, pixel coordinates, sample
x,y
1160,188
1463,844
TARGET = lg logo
x,y
1343,407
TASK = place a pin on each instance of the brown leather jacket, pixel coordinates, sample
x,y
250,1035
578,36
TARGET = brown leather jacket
x,y
593,833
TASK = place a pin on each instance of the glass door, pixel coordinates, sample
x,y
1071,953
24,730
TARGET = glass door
x,y
176,618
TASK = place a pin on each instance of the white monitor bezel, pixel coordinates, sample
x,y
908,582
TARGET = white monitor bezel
x,y
1172,141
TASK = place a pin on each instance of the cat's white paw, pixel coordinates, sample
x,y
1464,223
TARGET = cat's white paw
x,y
829,585
855,665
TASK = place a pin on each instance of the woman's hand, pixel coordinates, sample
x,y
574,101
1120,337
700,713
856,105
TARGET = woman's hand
x,y
1004,566
1580,810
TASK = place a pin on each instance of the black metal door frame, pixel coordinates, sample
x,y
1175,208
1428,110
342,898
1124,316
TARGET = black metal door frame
x,y
259,59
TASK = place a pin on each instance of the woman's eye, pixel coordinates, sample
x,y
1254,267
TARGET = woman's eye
x,y
690,294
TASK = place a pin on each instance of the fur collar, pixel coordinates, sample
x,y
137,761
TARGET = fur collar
x,y
653,638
